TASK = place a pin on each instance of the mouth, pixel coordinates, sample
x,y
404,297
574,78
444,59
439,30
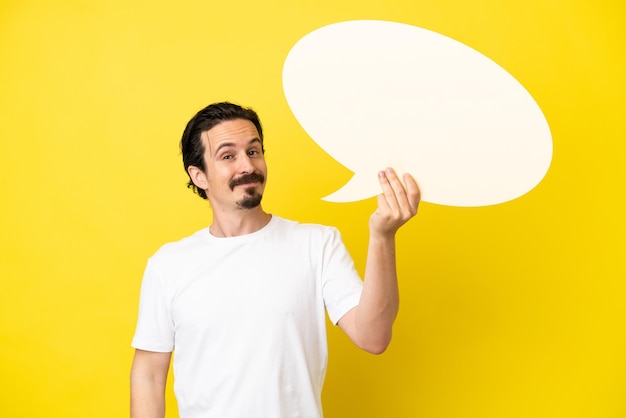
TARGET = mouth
x,y
247,180
246,185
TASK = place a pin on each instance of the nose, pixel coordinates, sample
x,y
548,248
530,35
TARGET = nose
x,y
245,164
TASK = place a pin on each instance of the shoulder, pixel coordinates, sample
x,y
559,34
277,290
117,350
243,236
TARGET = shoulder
x,y
182,249
297,233
303,228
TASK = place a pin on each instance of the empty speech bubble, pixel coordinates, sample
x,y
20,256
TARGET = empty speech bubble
x,y
375,94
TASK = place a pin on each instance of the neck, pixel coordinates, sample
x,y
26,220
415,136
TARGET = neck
x,y
240,222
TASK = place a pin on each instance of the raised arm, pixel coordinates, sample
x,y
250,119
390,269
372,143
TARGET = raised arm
x,y
369,324
148,376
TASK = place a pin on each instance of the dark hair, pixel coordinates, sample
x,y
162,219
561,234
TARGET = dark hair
x,y
191,144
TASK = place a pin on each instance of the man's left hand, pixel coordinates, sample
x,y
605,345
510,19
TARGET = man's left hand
x,y
396,205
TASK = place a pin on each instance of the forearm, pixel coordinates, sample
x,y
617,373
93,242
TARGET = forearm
x,y
369,324
379,302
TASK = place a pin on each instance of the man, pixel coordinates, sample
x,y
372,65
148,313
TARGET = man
x,y
242,302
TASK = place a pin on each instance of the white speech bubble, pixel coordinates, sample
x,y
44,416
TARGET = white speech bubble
x,y
375,94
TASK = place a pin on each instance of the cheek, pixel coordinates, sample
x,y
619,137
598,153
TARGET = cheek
x,y
221,172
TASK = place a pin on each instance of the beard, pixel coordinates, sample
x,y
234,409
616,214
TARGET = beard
x,y
251,200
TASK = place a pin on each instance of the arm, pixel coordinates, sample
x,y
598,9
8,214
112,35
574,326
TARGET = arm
x,y
148,376
369,324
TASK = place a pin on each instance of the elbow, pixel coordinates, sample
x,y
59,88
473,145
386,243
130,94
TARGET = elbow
x,y
377,346
376,350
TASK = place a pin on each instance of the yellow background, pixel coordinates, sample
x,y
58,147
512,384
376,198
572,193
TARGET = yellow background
x,y
514,310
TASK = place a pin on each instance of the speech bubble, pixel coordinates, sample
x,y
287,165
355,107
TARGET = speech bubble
x,y
376,94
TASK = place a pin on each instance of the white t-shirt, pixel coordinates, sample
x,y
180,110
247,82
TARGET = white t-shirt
x,y
245,317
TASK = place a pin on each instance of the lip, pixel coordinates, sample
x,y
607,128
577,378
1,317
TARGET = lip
x,y
247,184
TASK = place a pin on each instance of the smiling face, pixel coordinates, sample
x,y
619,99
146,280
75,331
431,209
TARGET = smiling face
x,y
235,166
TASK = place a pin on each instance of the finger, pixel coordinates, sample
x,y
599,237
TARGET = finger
x,y
388,190
383,206
395,182
413,191
400,193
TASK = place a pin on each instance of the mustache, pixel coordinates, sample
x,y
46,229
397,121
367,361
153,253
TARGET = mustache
x,y
246,178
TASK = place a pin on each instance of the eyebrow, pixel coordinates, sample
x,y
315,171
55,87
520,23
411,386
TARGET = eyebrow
x,y
231,144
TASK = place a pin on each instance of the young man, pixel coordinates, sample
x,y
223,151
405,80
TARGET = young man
x,y
242,302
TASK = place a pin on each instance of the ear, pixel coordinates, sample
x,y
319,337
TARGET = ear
x,y
198,177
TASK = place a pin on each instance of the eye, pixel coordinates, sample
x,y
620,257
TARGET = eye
x,y
227,157
253,153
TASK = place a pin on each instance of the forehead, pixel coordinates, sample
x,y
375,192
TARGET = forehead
x,y
231,131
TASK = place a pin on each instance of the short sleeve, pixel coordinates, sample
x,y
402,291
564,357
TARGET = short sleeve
x,y
155,329
342,285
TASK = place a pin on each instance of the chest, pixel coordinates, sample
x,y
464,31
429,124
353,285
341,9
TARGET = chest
x,y
246,291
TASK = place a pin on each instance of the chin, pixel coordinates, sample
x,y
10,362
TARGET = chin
x,y
250,202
